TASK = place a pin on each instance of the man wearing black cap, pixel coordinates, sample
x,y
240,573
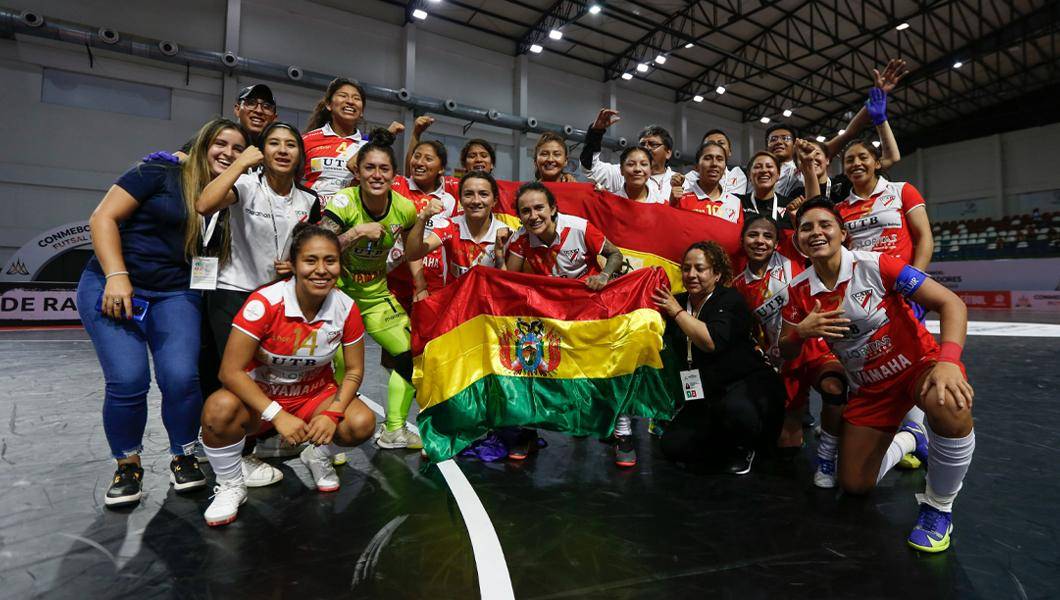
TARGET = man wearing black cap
x,y
256,109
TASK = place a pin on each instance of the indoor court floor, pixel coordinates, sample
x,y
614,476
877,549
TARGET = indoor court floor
x,y
566,523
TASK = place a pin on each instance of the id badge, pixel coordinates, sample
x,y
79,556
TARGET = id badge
x,y
204,273
692,385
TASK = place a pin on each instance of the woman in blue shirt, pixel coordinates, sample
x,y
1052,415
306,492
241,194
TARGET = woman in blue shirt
x,y
134,296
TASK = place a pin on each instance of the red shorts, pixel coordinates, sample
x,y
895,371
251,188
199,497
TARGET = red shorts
x,y
801,374
302,407
884,407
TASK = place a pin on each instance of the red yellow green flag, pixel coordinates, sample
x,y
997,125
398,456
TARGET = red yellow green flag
x,y
496,348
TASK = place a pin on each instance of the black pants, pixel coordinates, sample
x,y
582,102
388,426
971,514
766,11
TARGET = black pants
x,y
219,308
748,416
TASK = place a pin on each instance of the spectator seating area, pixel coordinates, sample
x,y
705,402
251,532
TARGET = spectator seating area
x,y
1022,236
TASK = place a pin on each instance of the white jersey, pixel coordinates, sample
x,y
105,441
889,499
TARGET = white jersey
x,y
734,181
608,176
261,222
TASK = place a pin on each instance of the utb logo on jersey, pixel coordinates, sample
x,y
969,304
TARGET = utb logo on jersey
x,y
530,349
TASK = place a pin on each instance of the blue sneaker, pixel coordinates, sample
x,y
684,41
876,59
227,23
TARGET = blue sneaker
x,y
932,531
919,455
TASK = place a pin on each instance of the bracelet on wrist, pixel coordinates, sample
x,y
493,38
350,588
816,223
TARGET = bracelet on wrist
x,y
109,275
271,411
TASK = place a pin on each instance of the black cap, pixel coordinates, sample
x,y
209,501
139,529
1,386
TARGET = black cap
x,y
259,91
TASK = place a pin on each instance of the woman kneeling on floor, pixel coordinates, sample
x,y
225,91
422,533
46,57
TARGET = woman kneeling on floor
x,y
277,373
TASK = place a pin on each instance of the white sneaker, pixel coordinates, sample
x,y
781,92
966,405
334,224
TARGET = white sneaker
x,y
824,476
276,447
257,473
324,475
227,496
399,438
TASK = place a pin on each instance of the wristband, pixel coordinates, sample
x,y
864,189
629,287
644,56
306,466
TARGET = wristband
x,y
109,275
950,352
271,411
334,415
678,313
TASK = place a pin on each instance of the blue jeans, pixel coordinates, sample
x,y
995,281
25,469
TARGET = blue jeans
x,y
171,332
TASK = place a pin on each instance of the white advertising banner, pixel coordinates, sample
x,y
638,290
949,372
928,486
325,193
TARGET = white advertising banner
x,y
35,254
35,303
1004,274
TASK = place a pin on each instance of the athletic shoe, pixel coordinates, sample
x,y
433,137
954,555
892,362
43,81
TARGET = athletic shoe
x,y
824,476
932,530
227,496
656,427
185,474
127,486
399,438
338,459
625,453
741,462
276,447
919,455
324,475
257,473
525,444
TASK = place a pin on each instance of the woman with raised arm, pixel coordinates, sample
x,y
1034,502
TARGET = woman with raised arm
x,y
135,302
856,301
370,219
277,372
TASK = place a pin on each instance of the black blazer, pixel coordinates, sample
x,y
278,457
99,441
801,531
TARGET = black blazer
x,y
730,324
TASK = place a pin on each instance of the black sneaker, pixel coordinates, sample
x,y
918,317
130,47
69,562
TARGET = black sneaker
x,y
625,453
741,462
127,486
185,474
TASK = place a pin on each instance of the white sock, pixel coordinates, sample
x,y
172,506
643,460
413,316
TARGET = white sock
x,y
227,462
902,444
948,461
827,446
623,426
915,415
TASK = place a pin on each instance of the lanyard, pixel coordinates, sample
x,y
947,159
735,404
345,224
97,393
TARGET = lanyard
x,y
688,338
268,193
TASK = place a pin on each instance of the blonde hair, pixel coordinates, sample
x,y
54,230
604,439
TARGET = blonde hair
x,y
194,176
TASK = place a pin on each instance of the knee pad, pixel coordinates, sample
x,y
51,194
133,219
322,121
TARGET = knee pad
x,y
403,365
838,399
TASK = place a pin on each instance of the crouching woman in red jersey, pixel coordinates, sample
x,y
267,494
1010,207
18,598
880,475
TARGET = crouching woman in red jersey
x,y
857,301
277,373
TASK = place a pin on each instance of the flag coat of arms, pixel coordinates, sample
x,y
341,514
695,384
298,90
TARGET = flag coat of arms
x,y
496,349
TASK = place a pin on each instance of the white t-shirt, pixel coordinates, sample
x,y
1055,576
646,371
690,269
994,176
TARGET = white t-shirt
x,y
261,222
609,177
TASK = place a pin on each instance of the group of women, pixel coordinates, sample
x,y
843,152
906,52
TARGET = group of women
x,y
290,247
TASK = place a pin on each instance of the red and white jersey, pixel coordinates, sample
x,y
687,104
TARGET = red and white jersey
x,y
727,211
326,155
767,296
463,251
572,253
878,223
734,181
434,264
885,338
451,185
294,355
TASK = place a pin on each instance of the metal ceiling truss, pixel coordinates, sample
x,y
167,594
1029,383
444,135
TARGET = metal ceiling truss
x,y
559,14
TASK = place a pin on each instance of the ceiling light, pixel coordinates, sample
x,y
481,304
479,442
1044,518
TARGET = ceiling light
x,y
642,67
536,48
697,98
787,112
689,45
876,143
820,138
902,26
627,76
764,120
720,89
661,59
594,9
842,131
555,34
419,13
958,65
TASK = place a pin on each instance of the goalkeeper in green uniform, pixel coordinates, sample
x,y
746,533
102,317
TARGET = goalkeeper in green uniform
x,y
370,219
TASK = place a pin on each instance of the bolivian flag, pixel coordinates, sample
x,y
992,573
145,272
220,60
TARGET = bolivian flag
x,y
496,348
649,235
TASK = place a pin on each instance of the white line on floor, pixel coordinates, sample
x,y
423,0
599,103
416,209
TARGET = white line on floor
x,y
494,582
992,328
